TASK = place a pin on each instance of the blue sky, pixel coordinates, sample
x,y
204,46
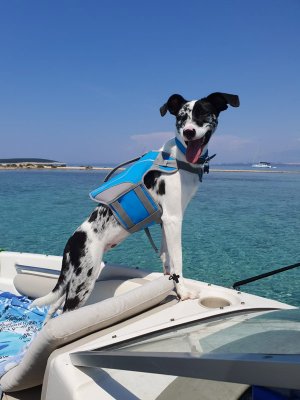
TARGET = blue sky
x,y
83,80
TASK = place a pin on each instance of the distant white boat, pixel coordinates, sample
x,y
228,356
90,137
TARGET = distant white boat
x,y
262,164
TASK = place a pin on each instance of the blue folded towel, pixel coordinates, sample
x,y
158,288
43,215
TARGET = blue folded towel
x,y
18,326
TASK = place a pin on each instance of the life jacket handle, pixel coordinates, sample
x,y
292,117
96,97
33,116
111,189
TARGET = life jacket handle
x,y
120,166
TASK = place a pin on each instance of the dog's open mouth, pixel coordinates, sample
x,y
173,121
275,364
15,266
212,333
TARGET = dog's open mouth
x,y
195,148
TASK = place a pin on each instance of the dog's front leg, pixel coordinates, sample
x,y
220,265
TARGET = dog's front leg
x,y
164,254
172,227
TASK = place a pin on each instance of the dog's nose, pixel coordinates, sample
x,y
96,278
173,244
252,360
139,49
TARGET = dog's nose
x,y
189,133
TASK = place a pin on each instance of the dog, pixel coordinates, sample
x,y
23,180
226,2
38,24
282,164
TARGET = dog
x,y
196,121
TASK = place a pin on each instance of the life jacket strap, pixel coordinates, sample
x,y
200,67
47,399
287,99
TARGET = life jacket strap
x,y
147,231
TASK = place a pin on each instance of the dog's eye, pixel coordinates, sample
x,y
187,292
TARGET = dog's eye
x,y
202,118
199,119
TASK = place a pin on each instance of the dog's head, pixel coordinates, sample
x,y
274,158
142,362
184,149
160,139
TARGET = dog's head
x,y
197,120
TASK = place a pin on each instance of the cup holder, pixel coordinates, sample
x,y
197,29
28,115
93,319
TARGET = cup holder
x,y
214,302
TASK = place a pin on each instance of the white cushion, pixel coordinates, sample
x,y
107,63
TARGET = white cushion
x,y
114,287
34,286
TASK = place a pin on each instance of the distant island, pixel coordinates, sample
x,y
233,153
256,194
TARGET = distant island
x,y
30,163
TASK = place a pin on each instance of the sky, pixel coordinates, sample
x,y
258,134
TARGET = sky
x,y
82,81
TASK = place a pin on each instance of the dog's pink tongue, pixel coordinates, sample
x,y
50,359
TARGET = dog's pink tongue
x,y
194,151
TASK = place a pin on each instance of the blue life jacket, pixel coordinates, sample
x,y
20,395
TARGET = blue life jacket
x,y
128,197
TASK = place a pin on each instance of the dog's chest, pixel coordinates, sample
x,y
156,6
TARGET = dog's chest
x,y
175,191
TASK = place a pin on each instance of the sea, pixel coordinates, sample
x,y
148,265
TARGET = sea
x,y
238,225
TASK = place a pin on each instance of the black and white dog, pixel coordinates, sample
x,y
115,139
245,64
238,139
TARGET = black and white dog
x,y
196,121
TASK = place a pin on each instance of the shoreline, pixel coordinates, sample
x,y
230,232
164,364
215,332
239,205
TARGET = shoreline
x,y
91,168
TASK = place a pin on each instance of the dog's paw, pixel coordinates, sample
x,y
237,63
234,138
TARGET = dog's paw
x,y
185,294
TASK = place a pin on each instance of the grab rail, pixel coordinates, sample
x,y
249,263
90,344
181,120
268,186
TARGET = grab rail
x,y
264,275
39,270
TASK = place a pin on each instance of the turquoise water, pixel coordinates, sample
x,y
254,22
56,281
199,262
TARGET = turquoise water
x,y
238,225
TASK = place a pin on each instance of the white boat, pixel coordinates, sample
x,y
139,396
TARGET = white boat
x,y
135,340
262,164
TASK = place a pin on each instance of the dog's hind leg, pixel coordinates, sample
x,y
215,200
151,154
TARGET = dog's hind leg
x,y
101,235
82,260
82,283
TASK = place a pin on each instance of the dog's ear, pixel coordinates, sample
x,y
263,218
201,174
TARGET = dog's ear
x,y
220,100
173,105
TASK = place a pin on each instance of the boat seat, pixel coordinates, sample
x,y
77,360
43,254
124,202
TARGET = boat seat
x,y
34,284
76,324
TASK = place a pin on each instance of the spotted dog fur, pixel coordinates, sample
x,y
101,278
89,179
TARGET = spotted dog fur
x,y
196,121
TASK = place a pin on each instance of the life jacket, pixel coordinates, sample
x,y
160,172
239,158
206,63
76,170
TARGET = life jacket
x,y
127,196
